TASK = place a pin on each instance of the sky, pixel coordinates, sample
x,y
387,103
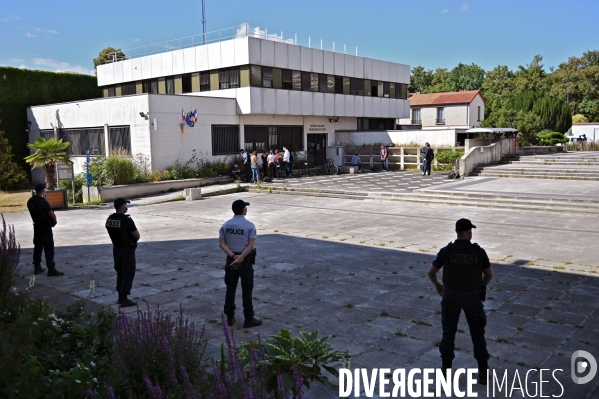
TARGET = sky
x,y
65,35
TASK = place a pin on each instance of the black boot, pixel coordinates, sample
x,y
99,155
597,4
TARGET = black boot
x,y
52,272
124,302
446,364
483,367
38,269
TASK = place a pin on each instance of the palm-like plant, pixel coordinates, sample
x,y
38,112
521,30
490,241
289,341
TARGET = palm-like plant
x,y
46,153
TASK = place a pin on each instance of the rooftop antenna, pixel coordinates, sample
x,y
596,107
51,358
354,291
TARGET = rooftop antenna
x,y
204,20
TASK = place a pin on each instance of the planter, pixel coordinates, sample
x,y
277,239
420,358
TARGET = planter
x,y
57,199
192,194
107,194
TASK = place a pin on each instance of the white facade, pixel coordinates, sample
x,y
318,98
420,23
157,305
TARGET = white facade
x,y
459,116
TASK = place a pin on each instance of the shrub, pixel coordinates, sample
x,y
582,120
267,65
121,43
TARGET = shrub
x,y
120,170
448,156
547,137
579,118
10,252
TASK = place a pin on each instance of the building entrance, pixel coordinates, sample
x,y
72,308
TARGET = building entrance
x,y
317,147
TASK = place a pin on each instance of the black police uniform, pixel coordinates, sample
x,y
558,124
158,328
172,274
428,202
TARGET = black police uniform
x,y
463,263
120,226
43,239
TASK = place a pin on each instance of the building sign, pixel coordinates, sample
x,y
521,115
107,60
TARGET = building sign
x,y
191,118
316,128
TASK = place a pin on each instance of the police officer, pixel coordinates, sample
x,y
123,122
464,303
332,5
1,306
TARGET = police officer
x,y
124,236
43,220
466,273
237,238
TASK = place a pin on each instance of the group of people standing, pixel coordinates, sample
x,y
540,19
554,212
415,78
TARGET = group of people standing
x,y
269,160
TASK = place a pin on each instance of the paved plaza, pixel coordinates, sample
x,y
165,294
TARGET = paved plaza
x,y
355,270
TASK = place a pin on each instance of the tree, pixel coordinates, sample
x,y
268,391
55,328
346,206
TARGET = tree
x,y
465,77
421,80
579,118
497,87
577,80
107,55
439,82
590,109
532,77
12,173
46,154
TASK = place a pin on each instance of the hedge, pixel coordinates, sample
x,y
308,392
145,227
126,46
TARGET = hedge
x,y
22,88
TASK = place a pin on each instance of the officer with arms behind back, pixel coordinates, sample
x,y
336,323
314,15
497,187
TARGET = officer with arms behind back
x,y
466,273
43,220
237,238
124,237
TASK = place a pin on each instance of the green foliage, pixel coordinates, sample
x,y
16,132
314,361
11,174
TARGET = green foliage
x,y
22,88
590,109
10,253
554,113
12,173
448,156
46,153
465,77
120,170
579,118
547,137
196,167
578,80
439,82
312,356
421,80
107,55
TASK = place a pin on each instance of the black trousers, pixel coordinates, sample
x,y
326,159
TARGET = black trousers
x,y
451,306
124,264
245,272
43,240
248,171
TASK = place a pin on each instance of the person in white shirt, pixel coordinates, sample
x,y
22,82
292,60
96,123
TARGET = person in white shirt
x,y
271,164
246,165
287,161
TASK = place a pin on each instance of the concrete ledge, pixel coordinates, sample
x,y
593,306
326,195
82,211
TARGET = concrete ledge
x,y
192,194
142,189
539,150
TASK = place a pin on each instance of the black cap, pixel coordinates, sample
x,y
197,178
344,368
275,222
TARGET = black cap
x,y
120,202
239,205
40,187
464,225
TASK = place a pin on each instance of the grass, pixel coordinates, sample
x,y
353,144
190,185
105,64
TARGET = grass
x,y
14,201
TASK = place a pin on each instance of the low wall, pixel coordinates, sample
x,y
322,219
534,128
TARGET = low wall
x,y
477,143
485,155
407,138
539,150
111,193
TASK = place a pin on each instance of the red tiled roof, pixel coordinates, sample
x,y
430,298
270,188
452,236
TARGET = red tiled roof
x,y
460,97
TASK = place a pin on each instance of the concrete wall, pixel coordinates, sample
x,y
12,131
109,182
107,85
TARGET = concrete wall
x,y
250,50
590,129
485,155
436,138
473,120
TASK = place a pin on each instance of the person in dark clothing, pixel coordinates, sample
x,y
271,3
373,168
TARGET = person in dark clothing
x,y
246,165
264,158
43,240
427,159
234,171
466,273
124,236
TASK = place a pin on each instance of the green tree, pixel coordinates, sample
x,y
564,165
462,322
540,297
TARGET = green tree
x,y
439,82
421,80
108,55
579,118
577,80
46,154
465,77
590,109
12,173
554,113
532,77
497,87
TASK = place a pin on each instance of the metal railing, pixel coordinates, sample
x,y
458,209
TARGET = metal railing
x,y
239,31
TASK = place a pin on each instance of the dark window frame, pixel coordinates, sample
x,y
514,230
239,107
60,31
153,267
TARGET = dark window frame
x,y
225,139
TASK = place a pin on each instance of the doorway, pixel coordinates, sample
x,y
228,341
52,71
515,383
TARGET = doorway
x,y
317,147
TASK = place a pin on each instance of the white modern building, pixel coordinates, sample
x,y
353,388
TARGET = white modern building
x,y
251,89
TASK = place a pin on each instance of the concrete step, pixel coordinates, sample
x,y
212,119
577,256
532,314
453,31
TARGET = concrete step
x,y
532,204
552,163
536,176
547,170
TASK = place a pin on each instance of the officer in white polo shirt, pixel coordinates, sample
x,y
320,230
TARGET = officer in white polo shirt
x,y
237,238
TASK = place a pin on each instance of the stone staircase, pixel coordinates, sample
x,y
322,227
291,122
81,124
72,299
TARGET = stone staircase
x,y
567,166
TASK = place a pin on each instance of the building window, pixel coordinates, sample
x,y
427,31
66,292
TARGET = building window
x,y
386,89
356,86
150,86
331,83
170,85
229,78
186,83
392,90
313,81
339,84
296,77
416,116
440,115
306,81
119,139
80,140
322,83
376,124
225,139
374,88
128,89
401,91
346,85
267,77
256,76
277,79
478,109
204,81
287,79
111,91
264,138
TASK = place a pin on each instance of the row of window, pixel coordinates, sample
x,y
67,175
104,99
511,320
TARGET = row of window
x,y
92,139
416,115
260,76
225,138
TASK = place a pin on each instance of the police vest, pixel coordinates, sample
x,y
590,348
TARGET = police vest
x,y
39,217
120,237
461,270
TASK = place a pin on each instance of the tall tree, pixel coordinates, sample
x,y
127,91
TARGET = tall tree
x,y
497,87
577,80
46,154
12,173
532,77
465,77
107,55
439,82
421,80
